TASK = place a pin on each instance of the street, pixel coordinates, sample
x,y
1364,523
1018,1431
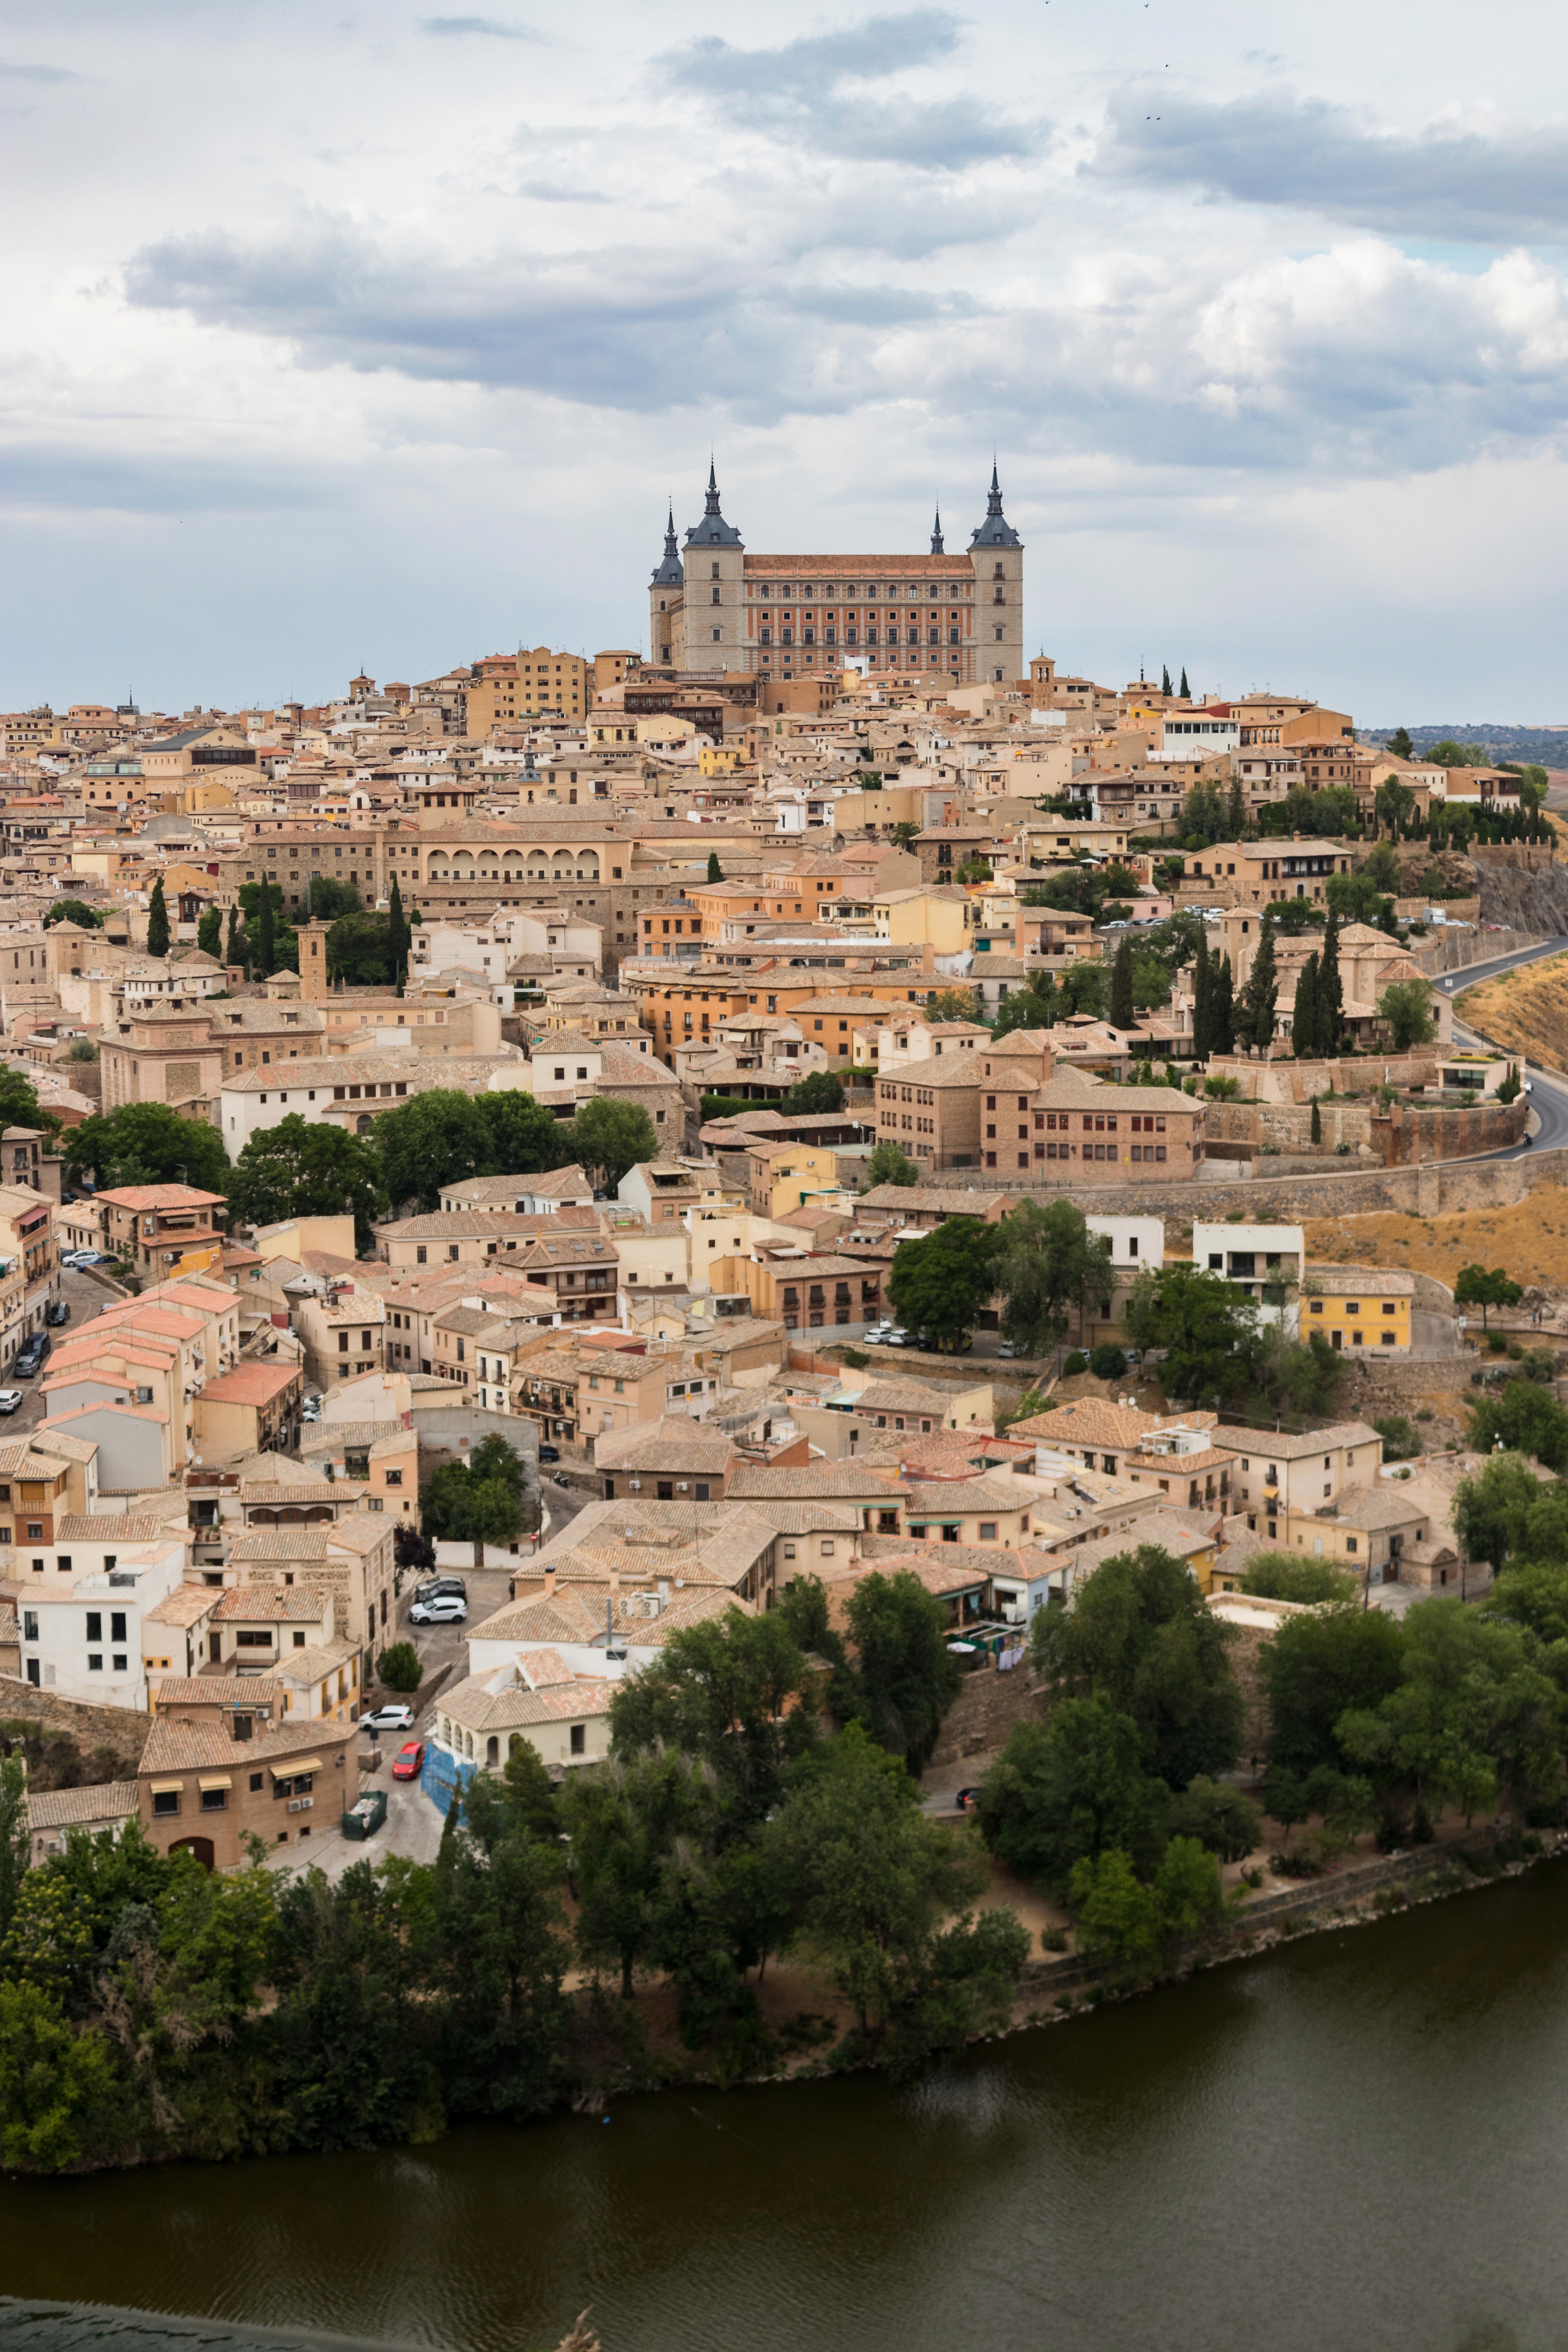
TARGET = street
x,y
85,1297
1548,1100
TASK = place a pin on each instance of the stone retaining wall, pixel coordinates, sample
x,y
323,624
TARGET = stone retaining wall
x,y
124,1728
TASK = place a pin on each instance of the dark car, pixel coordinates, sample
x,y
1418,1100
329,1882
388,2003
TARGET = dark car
x,y
433,1585
550,1454
31,1359
58,1311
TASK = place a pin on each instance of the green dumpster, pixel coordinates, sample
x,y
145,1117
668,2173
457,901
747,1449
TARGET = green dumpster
x,y
363,1818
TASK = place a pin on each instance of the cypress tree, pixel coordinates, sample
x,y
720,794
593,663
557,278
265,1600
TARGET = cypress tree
x,y
1317,1121
1203,1003
231,947
1223,1018
157,922
1237,818
1258,998
715,871
1185,690
1304,1017
1123,1013
266,945
1165,681
1331,995
397,937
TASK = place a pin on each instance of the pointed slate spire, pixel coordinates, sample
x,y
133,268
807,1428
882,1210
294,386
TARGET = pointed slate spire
x,y
712,506
712,530
996,530
936,546
671,573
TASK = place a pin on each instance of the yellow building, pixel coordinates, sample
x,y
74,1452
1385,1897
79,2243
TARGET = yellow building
x,y
1365,1306
716,759
786,1176
505,686
935,915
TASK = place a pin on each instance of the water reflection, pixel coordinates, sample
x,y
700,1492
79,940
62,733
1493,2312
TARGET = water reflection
x,y
1354,2140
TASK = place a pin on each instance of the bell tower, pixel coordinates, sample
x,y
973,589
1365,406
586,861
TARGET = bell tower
x,y
996,554
715,590
666,630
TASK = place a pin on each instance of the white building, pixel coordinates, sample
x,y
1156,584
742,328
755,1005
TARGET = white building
x,y
1135,1241
1199,735
1265,1261
79,1614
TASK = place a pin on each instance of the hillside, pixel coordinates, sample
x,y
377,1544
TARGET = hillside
x,y
1530,1239
1526,1011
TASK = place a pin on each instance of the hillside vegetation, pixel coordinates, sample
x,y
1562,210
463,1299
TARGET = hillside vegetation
x,y
1526,1011
1530,1239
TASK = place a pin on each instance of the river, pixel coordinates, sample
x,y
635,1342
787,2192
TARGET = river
x,y
1357,2140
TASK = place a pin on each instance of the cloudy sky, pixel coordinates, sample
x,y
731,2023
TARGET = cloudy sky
x,y
377,337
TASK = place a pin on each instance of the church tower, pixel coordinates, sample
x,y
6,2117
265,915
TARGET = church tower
x,y
996,555
715,590
667,633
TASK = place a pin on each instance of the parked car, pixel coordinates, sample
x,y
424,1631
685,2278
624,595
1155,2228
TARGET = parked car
x,y
88,1257
31,1360
431,1588
58,1311
1006,1348
441,1609
409,1762
10,1399
388,1719
550,1454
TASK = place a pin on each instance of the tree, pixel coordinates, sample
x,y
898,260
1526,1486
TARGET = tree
x,y
1284,1576
1304,1012
715,871
1472,1718
1123,1015
266,938
887,1165
157,922
1115,1917
1222,1016
726,1692
1317,1127
1407,1006
1141,1635
16,1842
1205,1323
1049,1266
303,1168
209,932
479,1501
1523,1418
147,1143
74,911
903,836
622,1819
1450,754
1034,1007
607,1137
905,1675
1204,815
1203,1003
1219,1817
1183,689
19,1105
438,1137
399,1668
1187,1891
232,951
1066,1789
397,937
1236,815
51,2079
820,1090
1329,990
1356,898
1165,687
1486,1287
1401,746
1393,805
1313,1671
525,1138
1256,1010
327,897
362,952
940,1283
1491,1511
955,1004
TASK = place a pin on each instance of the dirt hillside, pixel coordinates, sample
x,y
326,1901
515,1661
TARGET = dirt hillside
x,y
1525,1009
1530,1239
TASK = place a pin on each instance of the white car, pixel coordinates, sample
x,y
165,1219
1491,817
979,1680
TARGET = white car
x,y
388,1718
442,1608
10,1399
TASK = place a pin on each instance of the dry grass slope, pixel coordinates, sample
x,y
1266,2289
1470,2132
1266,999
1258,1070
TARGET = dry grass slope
x,y
1530,1239
1525,1009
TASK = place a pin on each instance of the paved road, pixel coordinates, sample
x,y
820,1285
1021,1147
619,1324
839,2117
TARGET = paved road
x,y
1548,1100
84,1298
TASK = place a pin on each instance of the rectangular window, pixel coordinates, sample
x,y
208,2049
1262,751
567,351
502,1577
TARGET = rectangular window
x,y
94,1625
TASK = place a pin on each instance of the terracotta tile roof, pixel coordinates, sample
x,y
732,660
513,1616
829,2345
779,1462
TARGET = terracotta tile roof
x,y
278,1543
255,1384
190,1747
673,1444
1278,1445
229,1690
186,1606
103,1800
477,1708
112,1534
246,1604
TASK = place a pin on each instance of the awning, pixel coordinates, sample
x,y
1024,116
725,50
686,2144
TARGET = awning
x,y
215,1780
165,1788
297,1764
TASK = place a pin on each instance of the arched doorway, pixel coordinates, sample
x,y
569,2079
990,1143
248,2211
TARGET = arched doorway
x,y
201,1848
493,1750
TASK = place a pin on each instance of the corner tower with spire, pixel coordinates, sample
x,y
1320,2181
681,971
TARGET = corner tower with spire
x,y
932,620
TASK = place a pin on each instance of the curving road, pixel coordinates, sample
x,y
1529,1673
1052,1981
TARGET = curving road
x,y
1548,1099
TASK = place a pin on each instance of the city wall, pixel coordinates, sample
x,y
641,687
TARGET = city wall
x,y
1435,1188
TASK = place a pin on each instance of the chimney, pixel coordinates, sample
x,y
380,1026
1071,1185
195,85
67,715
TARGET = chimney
x,y
549,1583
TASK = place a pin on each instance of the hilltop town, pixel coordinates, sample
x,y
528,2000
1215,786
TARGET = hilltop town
x,y
506,1173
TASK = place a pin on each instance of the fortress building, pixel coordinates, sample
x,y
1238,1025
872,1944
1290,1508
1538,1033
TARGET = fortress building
x,y
715,608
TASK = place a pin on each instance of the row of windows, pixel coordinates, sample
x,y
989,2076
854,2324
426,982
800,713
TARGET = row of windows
x,y
936,591
851,637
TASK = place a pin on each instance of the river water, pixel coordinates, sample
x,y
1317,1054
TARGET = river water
x,y
1359,2140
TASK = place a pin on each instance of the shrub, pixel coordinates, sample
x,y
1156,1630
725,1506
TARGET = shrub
x,y
1342,1152
1053,1940
1106,1362
1076,1362
1280,1576
1496,1343
1400,1439
399,1667
856,1358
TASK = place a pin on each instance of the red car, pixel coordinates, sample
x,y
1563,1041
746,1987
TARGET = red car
x,y
409,1762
